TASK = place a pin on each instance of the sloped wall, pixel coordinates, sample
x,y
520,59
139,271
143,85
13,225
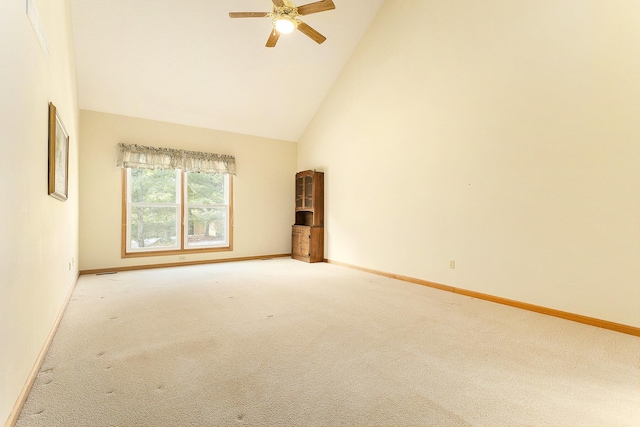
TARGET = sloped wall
x,y
502,134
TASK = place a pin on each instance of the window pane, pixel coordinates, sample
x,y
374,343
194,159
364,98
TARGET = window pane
x,y
206,227
153,227
153,186
205,189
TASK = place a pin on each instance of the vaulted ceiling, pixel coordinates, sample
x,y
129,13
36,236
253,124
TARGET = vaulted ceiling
x,y
187,62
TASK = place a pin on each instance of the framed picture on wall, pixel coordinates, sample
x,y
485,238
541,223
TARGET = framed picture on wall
x,y
58,156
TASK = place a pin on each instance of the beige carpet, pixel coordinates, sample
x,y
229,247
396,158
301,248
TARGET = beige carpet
x,y
280,342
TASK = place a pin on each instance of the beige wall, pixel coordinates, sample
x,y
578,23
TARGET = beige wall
x,y
263,187
38,234
502,134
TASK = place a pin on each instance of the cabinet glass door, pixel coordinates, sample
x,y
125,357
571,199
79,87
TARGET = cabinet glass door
x,y
308,192
299,192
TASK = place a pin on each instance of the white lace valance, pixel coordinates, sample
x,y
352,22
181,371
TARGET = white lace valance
x,y
142,157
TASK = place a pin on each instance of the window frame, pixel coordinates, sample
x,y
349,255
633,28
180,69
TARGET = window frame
x,y
186,206
181,226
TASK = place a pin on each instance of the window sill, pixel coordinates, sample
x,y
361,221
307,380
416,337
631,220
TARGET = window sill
x,y
175,252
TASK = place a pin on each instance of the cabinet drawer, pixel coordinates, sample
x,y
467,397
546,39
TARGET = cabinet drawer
x,y
301,230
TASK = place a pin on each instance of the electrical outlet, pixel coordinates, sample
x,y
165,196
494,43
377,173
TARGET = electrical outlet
x,y
452,264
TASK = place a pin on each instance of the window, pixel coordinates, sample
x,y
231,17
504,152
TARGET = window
x,y
170,211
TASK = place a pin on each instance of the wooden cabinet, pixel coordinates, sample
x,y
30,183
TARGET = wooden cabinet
x,y
307,237
307,243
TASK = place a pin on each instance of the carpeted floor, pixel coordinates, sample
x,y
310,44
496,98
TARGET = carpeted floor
x,y
280,342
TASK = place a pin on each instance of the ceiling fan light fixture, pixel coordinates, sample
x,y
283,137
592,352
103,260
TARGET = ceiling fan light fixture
x,y
285,18
284,24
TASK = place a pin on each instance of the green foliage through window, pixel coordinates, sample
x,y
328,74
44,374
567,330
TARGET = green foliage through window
x,y
206,212
155,210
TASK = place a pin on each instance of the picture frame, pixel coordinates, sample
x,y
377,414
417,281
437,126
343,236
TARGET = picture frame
x,y
58,156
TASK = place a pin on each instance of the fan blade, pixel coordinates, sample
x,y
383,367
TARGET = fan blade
x,y
273,38
311,33
278,3
248,14
319,6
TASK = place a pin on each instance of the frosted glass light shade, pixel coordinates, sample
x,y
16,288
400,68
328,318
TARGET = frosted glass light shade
x,y
285,25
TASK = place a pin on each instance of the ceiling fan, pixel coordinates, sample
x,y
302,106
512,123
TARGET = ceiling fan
x,y
286,18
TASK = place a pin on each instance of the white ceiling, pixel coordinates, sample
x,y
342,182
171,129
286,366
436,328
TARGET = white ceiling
x,y
187,62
